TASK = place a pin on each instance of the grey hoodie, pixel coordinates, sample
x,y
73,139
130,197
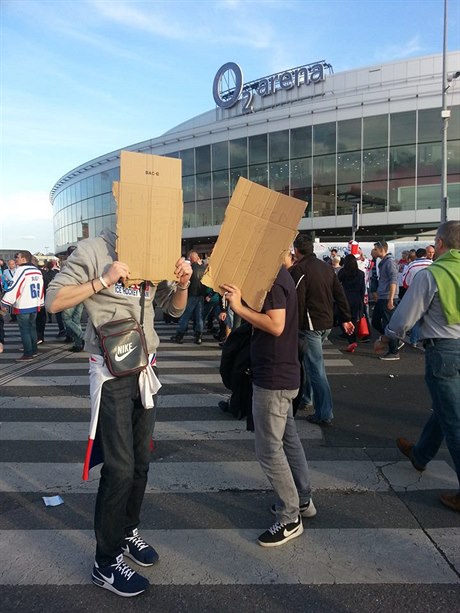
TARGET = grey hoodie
x,y
92,258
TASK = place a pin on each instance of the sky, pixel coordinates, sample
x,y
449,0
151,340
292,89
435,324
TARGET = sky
x,y
81,78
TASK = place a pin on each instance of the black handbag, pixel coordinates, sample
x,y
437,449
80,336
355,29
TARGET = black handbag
x,y
123,344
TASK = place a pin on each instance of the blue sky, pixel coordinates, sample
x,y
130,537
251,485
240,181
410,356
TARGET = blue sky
x,y
80,78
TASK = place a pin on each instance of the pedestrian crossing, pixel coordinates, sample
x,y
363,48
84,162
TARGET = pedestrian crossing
x,y
207,499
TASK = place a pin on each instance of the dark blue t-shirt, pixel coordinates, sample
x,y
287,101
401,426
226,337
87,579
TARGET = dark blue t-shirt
x,y
274,359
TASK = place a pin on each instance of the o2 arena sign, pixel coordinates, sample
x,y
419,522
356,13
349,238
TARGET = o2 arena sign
x,y
228,87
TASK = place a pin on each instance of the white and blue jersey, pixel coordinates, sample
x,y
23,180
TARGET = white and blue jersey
x,y
26,294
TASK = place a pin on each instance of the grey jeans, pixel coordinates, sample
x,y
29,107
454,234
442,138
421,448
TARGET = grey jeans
x,y
279,450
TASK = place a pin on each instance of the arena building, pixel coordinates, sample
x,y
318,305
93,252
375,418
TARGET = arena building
x,y
367,140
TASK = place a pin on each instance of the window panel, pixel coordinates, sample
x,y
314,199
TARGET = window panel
x,y
258,149
238,153
375,132
219,207
375,164
349,135
402,128
349,167
203,213
259,174
203,186
324,138
374,196
220,156
402,195
188,188
189,215
402,162
235,174
203,159
324,201
324,170
220,184
98,206
188,162
347,195
279,177
279,146
429,125
97,184
301,142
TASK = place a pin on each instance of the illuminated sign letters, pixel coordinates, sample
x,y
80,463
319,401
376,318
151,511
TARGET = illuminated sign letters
x,y
228,86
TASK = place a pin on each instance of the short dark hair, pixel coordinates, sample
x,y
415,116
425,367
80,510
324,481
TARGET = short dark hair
x,y
24,254
303,243
70,250
421,253
382,244
449,231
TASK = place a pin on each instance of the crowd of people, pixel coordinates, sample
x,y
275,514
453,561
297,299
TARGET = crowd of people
x,y
283,364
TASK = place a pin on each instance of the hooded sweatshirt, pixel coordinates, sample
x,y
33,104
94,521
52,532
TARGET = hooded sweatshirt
x,y
92,258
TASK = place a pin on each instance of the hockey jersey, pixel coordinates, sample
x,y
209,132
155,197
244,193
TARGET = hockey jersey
x,y
26,294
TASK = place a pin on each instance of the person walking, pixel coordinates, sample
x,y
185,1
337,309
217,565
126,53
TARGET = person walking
x,y
386,294
25,297
318,290
353,282
433,299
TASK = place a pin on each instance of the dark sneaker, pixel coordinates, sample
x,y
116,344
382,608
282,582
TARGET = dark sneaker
x,y
138,550
61,334
389,357
451,500
119,578
25,358
306,510
313,419
279,534
76,348
406,448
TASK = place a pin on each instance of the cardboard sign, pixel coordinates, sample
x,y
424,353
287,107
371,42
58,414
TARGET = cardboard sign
x,y
259,227
149,215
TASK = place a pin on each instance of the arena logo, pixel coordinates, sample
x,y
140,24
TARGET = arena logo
x,y
228,87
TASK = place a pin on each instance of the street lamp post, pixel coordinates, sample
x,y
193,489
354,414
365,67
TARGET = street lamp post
x,y
445,114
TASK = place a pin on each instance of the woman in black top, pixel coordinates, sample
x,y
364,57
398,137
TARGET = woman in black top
x,y
353,283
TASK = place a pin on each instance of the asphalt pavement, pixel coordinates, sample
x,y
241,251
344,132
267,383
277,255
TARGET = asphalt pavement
x,y
381,540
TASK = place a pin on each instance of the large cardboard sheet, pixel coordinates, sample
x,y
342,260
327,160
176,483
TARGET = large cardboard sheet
x,y
259,227
149,215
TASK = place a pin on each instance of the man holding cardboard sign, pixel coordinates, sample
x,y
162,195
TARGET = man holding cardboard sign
x,y
275,381
149,208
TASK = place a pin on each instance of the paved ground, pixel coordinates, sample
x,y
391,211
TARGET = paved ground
x,y
381,540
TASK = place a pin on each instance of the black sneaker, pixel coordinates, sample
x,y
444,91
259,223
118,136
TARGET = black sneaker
x,y
138,550
278,534
306,510
119,578
389,357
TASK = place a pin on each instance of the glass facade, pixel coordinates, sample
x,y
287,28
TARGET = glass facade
x,y
386,163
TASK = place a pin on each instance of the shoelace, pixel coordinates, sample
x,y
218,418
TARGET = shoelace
x,y
276,528
124,570
136,540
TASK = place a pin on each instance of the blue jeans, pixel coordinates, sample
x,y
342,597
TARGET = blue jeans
x,y
194,308
279,450
380,319
442,376
72,322
124,433
315,378
28,332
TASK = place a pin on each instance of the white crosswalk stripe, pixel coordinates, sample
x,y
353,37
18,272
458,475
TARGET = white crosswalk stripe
x,y
205,470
